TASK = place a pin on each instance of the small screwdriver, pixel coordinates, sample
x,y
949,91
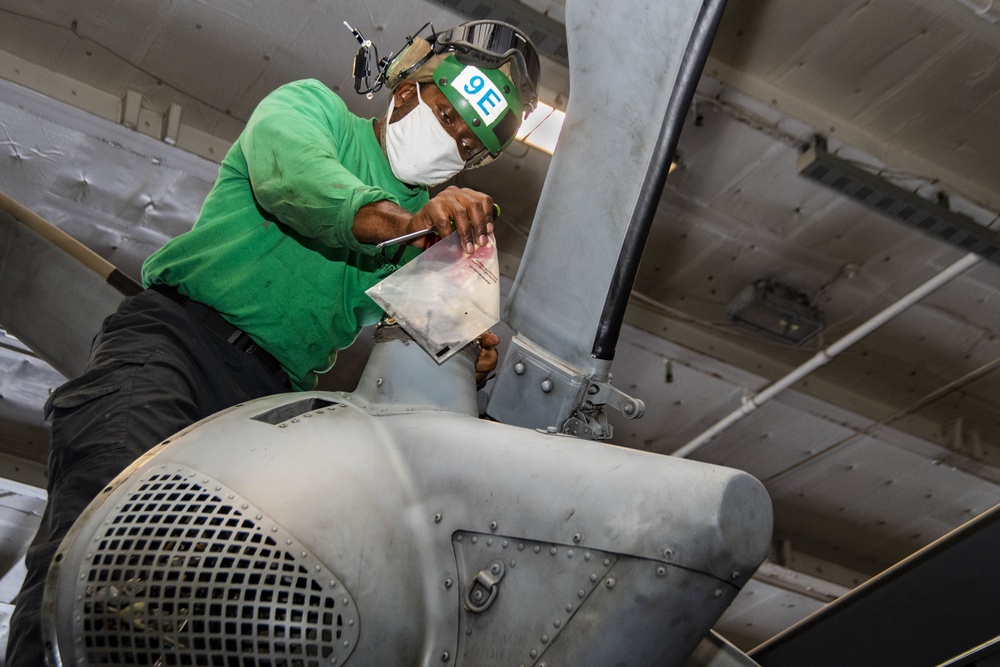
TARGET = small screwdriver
x,y
424,232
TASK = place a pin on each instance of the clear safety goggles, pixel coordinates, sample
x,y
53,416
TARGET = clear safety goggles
x,y
491,44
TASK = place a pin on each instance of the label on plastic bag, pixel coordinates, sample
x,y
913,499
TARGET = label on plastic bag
x,y
444,298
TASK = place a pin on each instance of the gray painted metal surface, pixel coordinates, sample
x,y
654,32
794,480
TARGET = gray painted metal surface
x,y
455,540
567,335
623,68
50,301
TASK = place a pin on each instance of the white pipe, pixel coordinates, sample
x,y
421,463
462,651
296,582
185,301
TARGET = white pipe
x,y
824,357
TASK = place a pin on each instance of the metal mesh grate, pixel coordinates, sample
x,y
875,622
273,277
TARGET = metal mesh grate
x,y
178,575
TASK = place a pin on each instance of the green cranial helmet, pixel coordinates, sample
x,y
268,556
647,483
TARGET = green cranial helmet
x,y
488,71
486,99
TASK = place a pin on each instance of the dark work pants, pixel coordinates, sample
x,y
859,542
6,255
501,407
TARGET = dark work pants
x,y
152,372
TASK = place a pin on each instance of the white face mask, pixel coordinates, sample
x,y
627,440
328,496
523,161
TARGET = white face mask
x,y
420,150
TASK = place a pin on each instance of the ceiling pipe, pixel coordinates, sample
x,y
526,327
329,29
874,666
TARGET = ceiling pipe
x,y
826,355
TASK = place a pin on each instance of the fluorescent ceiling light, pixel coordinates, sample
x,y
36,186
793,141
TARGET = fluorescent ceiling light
x,y
541,129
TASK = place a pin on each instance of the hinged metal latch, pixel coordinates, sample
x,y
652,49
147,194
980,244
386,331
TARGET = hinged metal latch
x,y
602,393
483,589
589,420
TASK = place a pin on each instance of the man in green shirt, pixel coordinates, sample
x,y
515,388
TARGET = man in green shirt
x,y
265,289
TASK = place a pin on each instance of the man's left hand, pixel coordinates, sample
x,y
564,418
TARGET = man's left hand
x,y
488,357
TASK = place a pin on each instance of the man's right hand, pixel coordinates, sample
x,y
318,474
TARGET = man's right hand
x,y
470,211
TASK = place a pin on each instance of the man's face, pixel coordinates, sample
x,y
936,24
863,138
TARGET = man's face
x,y
406,100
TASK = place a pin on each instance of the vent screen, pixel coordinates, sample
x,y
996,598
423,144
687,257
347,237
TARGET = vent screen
x,y
183,575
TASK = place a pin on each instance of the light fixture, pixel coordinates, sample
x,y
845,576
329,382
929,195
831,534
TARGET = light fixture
x,y
541,129
776,309
902,205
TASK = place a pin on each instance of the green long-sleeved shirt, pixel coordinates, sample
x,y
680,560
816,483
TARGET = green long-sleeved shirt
x,y
273,249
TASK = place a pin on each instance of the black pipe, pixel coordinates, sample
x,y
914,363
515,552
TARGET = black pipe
x,y
692,64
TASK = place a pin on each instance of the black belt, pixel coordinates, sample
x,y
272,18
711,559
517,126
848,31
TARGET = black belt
x,y
218,325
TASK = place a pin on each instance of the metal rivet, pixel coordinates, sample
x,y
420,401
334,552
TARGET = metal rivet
x,y
718,592
577,537
557,623
537,549
474,539
519,368
513,563
493,525
378,382
476,122
610,583
569,608
593,577
504,544
586,556
448,583
437,517
736,574
445,657
520,546
607,561
443,81
496,568
545,639
581,593
569,554
553,551
458,538
533,653
660,571
547,385
489,541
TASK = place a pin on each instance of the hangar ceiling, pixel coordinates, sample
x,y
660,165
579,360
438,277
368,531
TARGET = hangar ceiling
x,y
113,115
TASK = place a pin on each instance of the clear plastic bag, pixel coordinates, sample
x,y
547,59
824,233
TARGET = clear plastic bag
x,y
444,298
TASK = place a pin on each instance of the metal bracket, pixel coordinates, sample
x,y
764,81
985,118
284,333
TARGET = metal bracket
x,y
536,390
483,589
602,393
590,421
